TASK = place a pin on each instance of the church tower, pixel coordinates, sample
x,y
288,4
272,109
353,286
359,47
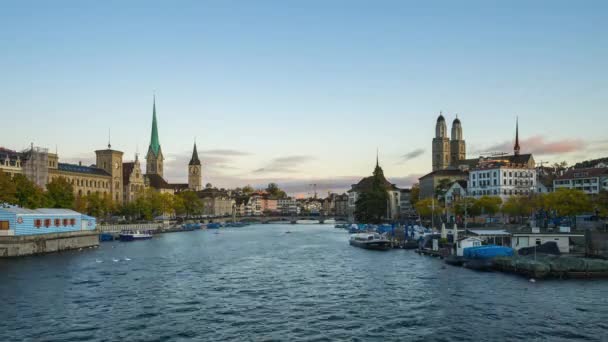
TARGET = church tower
x,y
195,174
458,149
441,145
154,158
516,148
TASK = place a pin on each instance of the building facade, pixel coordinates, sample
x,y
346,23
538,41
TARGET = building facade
x,y
589,180
503,178
448,151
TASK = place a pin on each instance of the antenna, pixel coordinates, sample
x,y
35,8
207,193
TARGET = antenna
x,y
109,135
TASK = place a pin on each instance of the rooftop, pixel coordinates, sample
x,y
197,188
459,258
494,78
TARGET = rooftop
x,y
584,173
81,169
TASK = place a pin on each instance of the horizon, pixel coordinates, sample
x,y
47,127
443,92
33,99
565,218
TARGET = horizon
x,y
301,95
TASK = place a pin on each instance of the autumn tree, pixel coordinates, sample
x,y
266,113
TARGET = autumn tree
x,y
60,193
8,190
28,194
569,202
489,205
415,194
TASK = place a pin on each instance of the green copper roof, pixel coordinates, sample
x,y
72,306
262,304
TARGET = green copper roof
x,y
154,142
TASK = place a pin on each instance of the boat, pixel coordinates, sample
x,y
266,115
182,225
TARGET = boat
x,y
370,241
106,237
127,235
341,226
214,225
329,221
236,225
454,260
307,221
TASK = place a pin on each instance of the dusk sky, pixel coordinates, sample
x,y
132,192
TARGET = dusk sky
x,y
303,92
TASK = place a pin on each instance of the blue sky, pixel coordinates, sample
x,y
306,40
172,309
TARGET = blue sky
x,y
303,91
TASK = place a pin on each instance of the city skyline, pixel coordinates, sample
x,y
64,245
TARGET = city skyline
x,y
296,96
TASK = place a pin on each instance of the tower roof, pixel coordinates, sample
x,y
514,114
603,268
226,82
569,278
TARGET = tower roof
x,y
440,118
154,141
194,160
516,148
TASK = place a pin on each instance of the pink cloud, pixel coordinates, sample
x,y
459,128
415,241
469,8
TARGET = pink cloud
x,y
539,145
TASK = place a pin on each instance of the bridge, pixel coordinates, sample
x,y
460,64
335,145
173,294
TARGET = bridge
x,y
277,219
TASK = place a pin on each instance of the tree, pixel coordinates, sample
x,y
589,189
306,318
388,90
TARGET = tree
x,y
569,202
191,204
60,193
372,202
426,207
560,165
8,190
28,194
488,204
248,190
466,207
600,203
415,194
274,191
514,206
442,187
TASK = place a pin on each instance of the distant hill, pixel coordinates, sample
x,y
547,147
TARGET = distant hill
x,y
590,163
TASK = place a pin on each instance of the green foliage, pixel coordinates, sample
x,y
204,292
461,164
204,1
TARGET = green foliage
x,y
28,194
188,203
274,191
8,190
60,193
467,206
99,205
442,187
569,202
248,190
600,203
489,205
515,206
425,207
415,194
372,203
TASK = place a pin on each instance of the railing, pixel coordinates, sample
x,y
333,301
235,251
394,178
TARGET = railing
x,y
116,228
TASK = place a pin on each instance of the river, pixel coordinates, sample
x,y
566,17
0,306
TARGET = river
x,y
260,283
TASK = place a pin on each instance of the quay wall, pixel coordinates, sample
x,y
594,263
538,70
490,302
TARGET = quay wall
x,y
15,246
117,228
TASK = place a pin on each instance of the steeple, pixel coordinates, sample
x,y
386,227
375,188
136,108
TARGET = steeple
x,y
516,148
378,169
194,160
154,141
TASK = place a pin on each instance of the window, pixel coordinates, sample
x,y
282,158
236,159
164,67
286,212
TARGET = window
x,y
510,174
4,225
57,222
65,222
72,222
37,223
47,222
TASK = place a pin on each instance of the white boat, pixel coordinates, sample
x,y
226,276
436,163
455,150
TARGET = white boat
x,y
133,236
308,222
329,221
370,241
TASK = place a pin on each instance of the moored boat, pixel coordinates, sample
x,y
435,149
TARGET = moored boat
x,y
370,241
128,235
214,225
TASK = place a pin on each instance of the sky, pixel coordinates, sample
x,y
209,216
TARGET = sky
x,y
303,92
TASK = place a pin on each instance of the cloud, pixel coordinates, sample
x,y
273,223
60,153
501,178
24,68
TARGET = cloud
x,y
287,164
412,154
225,152
538,145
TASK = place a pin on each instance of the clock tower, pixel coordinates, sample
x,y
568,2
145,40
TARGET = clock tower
x,y
110,161
195,174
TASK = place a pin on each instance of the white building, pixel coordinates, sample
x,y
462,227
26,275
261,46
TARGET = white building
x,y
287,206
511,175
456,191
591,180
536,239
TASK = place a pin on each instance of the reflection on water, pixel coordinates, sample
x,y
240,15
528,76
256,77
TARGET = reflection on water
x,y
259,283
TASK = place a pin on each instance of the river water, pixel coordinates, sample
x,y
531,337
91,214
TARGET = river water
x,y
260,283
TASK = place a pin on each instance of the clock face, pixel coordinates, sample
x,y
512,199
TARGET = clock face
x,y
116,165
194,171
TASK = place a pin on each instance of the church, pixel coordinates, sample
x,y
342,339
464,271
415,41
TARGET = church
x,y
154,176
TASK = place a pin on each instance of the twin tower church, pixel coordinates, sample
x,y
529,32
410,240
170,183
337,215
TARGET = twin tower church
x,y
448,151
155,168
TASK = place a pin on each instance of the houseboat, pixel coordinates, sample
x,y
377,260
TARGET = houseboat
x,y
370,241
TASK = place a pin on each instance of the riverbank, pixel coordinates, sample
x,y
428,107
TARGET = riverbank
x,y
22,245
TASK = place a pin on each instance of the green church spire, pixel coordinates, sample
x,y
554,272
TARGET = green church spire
x,y
154,142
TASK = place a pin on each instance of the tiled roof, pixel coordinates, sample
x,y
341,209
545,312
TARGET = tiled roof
x,y
157,182
584,173
81,169
366,184
446,172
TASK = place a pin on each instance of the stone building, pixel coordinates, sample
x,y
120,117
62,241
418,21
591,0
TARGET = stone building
x,y
448,152
195,174
365,184
132,180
